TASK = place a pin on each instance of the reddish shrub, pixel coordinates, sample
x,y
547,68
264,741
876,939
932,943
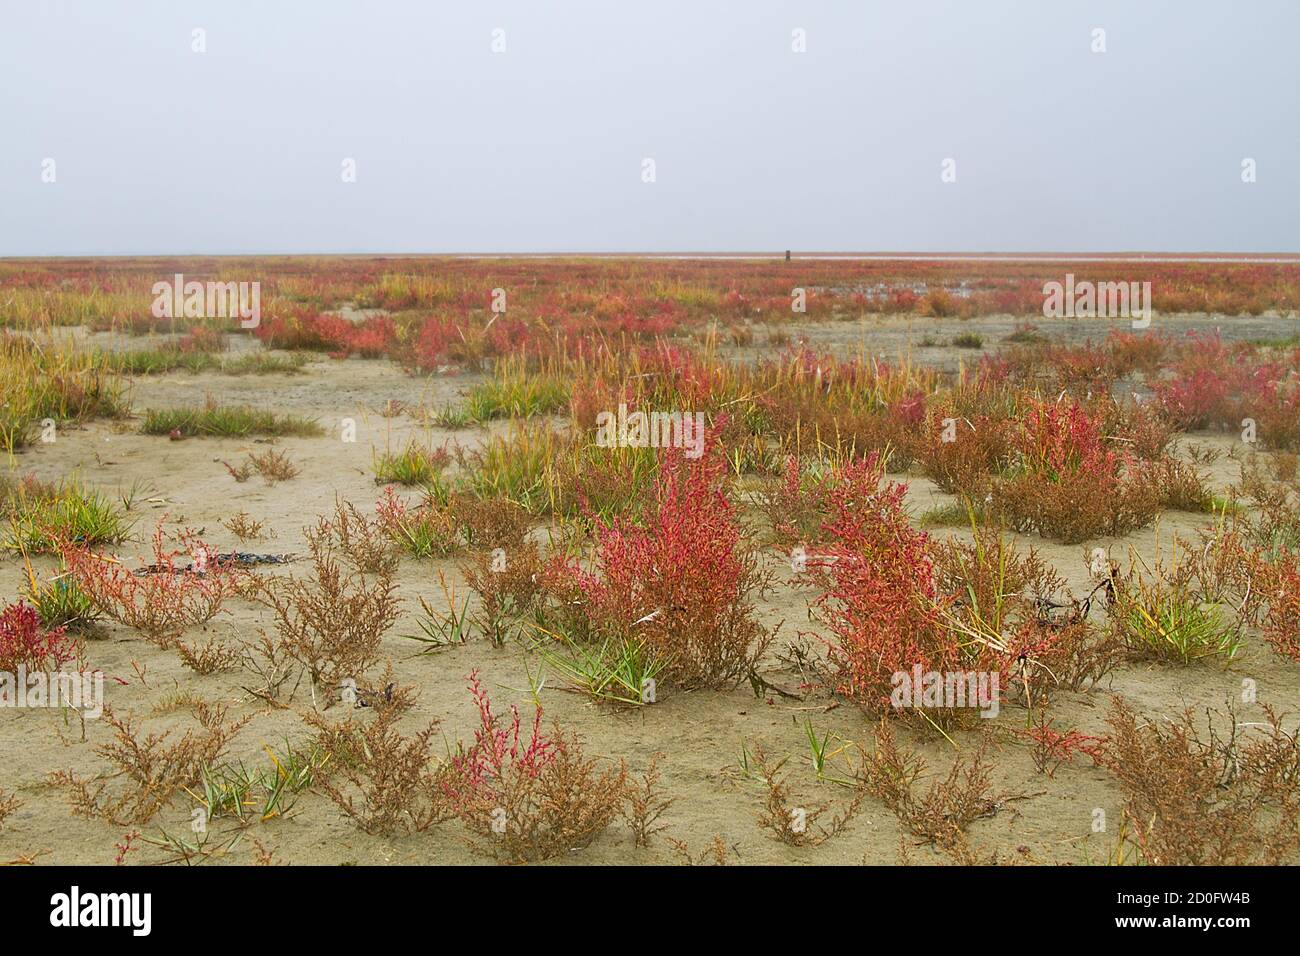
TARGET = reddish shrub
x,y
1068,483
1216,386
1053,747
1130,353
679,579
880,599
24,643
162,599
1281,584
497,751
326,332
528,800
201,339
1195,398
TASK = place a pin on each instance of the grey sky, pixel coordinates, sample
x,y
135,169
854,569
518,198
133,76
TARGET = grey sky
x,y
238,150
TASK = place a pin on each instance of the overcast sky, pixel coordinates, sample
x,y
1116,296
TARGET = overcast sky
x,y
541,148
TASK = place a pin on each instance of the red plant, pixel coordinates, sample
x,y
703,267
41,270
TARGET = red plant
x,y
498,751
679,579
528,800
1281,583
1053,747
1130,352
1214,385
427,529
125,847
325,332
910,409
880,599
1060,440
1070,484
1194,398
161,599
201,339
24,643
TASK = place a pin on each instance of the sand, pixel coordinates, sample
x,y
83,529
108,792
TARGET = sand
x,y
699,736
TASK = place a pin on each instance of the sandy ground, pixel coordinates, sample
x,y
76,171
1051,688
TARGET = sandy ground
x,y
699,736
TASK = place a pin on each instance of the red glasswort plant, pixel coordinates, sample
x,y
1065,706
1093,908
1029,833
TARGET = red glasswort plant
x,y
880,599
24,643
498,751
163,599
679,580
1280,582
1214,385
528,800
1052,747
1069,484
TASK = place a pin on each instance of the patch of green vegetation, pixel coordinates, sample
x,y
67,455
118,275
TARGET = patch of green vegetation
x,y
226,421
41,516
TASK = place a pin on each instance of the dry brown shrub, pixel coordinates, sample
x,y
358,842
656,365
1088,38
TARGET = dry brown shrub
x,y
990,569
263,855
1268,482
332,620
1285,465
8,805
274,466
1180,486
269,661
791,821
362,540
1142,428
489,523
508,584
714,854
645,805
151,769
1084,654
211,657
941,813
1197,796
958,852
1279,585
1222,568
380,779
1077,507
964,466
244,527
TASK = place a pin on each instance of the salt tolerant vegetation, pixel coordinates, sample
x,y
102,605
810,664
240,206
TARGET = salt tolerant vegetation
x,y
618,561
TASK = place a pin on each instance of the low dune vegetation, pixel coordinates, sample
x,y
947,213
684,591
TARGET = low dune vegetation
x,y
623,561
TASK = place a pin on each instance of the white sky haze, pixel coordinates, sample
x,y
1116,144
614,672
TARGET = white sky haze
x,y
540,148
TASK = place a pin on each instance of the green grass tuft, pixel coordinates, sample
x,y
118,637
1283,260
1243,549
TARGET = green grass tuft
x,y
212,420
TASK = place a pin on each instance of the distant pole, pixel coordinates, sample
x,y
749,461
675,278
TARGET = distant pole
x,y
787,255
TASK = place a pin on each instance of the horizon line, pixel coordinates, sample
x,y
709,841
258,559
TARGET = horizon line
x,y
781,255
